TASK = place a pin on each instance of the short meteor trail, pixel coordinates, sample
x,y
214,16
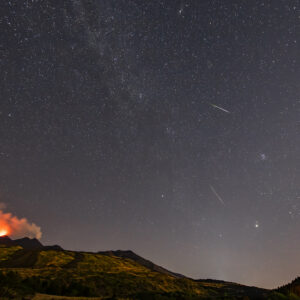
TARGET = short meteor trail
x,y
216,194
218,107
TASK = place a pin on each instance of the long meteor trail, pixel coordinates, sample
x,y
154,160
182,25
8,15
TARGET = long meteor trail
x,y
216,194
218,107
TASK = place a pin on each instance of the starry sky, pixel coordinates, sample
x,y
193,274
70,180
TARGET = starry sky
x,y
170,128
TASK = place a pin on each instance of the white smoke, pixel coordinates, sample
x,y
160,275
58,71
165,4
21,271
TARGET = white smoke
x,y
17,228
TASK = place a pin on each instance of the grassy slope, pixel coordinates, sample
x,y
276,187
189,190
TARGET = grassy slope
x,y
49,297
292,289
80,273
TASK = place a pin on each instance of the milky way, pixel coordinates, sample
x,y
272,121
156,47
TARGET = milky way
x,y
113,135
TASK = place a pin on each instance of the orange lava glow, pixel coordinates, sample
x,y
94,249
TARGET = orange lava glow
x,y
3,232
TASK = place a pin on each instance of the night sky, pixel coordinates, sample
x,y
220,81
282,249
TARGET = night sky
x,y
171,128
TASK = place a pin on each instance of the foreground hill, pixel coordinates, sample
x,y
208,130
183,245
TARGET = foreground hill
x,y
107,275
292,288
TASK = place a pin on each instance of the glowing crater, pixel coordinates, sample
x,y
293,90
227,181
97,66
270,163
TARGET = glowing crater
x,y
3,232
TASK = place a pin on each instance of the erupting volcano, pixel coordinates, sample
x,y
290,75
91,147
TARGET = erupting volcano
x,y
17,227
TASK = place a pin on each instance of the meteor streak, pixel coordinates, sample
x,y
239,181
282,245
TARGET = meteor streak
x,y
218,107
217,195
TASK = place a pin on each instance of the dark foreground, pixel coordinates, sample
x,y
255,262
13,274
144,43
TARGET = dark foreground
x,y
28,270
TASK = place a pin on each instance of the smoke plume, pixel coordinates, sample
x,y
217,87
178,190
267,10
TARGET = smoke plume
x,y
17,228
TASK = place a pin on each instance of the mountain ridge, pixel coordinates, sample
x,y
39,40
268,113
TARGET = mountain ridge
x,y
27,268
137,258
27,243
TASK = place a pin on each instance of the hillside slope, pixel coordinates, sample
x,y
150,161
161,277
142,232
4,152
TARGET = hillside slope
x,y
292,289
104,275
144,262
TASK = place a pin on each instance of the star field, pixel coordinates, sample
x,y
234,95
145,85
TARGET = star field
x,y
170,128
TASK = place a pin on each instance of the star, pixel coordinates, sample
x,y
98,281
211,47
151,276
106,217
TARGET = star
x,y
155,110
263,156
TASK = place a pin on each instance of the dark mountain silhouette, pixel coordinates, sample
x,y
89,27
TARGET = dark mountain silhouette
x,y
27,269
5,240
53,247
27,243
